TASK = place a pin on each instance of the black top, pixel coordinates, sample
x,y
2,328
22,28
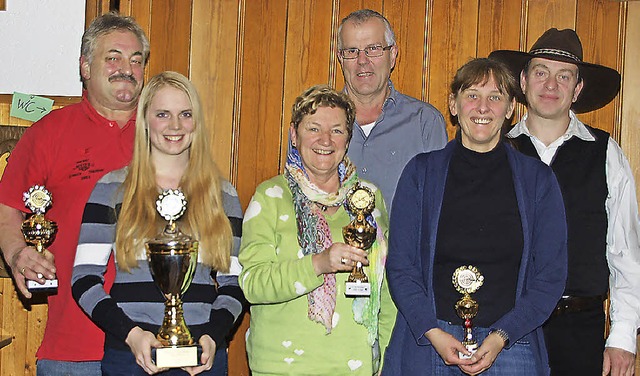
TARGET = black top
x,y
480,226
579,166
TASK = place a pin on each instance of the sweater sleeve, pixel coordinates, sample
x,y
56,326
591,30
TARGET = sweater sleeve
x,y
265,277
97,235
545,278
404,265
230,302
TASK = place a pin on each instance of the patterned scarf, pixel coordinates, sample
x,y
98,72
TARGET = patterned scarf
x,y
314,236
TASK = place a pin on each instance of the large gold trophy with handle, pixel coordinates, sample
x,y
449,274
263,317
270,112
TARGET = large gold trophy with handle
x,y
467,280
39,231
359,233
173,257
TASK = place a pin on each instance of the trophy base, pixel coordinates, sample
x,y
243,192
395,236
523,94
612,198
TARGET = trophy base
x,y
357,289
472,349
49,285
177,356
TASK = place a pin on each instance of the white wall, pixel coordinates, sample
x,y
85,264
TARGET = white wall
x,y
40,47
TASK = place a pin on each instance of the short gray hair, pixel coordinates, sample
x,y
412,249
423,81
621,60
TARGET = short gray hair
x,y
364,15
107,23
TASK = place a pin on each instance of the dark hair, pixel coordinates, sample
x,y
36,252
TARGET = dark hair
x,y
322,96
479,71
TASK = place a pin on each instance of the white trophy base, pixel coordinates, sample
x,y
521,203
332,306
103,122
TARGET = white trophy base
x,y
357,289
472,349
48,285
177,356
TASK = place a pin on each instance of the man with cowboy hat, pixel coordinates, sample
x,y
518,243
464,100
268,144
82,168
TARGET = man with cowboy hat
x,y
599,195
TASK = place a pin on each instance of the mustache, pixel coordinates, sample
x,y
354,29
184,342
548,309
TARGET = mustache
x,y
123,76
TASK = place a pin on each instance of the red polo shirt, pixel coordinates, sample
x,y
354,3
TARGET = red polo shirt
x,y
67,151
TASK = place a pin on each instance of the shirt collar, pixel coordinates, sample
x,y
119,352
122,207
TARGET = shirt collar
x,y
576,128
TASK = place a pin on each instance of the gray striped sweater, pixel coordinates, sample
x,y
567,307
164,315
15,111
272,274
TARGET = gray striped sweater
x,y
134,299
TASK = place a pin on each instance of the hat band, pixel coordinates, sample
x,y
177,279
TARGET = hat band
x,y
553,51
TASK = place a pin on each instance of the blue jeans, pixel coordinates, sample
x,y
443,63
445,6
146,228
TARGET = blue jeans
x,y
517,360
122,362
46,367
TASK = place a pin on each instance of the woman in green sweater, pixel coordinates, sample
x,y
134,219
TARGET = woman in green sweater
x,y
295,260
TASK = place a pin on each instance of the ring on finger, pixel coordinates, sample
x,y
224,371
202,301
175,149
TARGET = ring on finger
x,y
22,270
343,261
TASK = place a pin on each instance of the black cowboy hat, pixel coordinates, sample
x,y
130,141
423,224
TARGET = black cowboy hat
x,y
601,84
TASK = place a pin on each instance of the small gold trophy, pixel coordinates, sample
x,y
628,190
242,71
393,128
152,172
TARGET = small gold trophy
x,y
39,231
467,280
173,257
359,233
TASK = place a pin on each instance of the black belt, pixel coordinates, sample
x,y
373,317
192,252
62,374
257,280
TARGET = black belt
x,y
578,304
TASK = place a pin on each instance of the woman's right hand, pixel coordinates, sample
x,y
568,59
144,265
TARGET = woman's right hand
x,y
331,259
448,347
140,342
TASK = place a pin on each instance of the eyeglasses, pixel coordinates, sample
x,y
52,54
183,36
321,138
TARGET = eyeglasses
x,y
370,51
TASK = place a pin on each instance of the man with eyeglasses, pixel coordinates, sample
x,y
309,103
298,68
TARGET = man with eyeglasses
x,y
390,127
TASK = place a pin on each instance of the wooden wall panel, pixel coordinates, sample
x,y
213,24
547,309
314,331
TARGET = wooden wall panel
x,y
251,58
261,98
308,55
170,36
597,21
499,15
543,14
453,43
408,19
630,123
213,71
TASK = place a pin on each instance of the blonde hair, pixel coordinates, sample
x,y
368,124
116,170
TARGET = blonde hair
x,y
204,219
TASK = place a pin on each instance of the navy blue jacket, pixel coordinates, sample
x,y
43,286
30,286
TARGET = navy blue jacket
x,y
412,239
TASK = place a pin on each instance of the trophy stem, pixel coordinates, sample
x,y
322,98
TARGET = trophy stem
x,y
174,331
358,274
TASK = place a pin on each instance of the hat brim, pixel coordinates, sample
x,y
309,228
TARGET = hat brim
x,y
601,84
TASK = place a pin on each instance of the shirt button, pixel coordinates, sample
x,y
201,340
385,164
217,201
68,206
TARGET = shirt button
x,y
366,145
364,170
111,125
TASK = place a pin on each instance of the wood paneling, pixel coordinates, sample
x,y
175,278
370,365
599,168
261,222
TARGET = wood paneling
x,y
630,124
261,83
308,55
213,71
250,58
453,42
171,30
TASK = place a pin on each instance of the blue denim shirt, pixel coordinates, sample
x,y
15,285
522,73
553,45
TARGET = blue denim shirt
x,y
406,127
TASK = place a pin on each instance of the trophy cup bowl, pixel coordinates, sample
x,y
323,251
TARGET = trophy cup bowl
x,y
172,266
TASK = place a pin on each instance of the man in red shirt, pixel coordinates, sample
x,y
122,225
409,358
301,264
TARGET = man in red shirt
x,y
67,151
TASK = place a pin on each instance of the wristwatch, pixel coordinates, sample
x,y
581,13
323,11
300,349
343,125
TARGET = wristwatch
x,y
502,334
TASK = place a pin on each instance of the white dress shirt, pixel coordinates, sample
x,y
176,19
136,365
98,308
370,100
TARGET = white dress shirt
x,y
623,231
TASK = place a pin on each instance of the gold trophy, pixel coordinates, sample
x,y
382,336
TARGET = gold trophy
x,y
359,233
173,257
467,280
39,231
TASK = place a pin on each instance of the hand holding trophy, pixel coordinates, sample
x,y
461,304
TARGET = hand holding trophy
x,y
173,257
359,233
39,231
467,280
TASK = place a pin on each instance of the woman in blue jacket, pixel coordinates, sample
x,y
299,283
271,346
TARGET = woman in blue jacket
x,y
490,222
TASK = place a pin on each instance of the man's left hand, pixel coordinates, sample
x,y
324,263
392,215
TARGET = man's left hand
x,y
618,362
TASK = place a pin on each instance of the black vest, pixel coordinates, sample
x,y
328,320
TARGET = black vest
x,y
580,168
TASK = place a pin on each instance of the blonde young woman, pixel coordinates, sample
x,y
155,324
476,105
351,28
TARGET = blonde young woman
x,y
171,150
